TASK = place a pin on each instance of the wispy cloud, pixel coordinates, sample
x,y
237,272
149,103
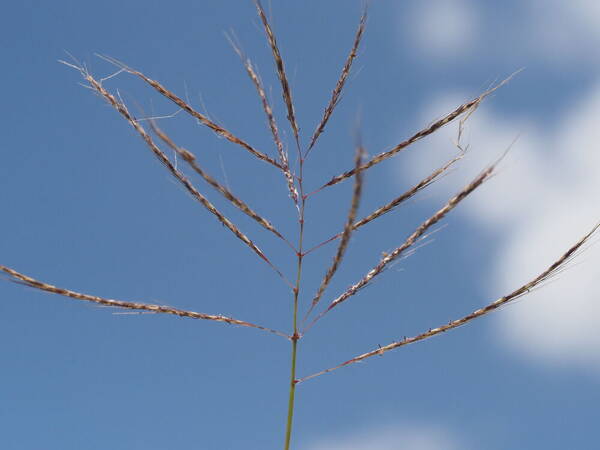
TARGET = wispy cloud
x,y
556,32
401,437
444,28
561,31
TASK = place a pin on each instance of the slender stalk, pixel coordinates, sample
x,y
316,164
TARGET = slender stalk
x,y
296,336
287,99
291,397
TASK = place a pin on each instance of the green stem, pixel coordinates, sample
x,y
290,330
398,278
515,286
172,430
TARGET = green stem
x,y
295,336
290,417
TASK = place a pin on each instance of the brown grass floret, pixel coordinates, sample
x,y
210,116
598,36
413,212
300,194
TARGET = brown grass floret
x,y
339,86
346,234
121,304
465,108
283,156
189,158
286,91
192,112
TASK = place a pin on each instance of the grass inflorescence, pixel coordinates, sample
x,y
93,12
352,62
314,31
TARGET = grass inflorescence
x,y
304,314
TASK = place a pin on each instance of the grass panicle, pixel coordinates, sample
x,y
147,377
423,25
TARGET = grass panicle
x,y
296,190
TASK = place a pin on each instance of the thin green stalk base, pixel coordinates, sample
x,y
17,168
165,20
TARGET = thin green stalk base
x,y
290,417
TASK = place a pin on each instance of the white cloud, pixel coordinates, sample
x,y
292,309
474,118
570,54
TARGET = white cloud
x,y
444,28
545,197
581,13
563,31
557,32
391,438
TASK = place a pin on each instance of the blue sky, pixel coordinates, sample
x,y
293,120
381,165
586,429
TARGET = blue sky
x,y
85,206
